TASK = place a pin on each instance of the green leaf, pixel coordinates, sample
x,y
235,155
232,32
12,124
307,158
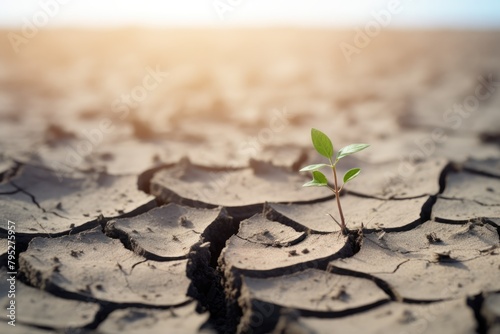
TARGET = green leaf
x,y
351,174
319,180
350,149
320,177
313,167
322,143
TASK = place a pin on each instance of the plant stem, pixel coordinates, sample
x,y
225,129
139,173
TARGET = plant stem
x,y
337,193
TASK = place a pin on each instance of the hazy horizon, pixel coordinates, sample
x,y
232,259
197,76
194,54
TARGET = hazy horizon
x,y
465,14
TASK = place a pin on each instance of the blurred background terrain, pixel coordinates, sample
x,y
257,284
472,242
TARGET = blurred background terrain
x,y
222,96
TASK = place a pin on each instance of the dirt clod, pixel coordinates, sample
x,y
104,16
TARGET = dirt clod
x,y
433,238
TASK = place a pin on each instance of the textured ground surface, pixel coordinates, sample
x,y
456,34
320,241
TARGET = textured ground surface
x,y
172,202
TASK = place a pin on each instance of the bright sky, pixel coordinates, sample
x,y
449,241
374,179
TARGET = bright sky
x,y
412,13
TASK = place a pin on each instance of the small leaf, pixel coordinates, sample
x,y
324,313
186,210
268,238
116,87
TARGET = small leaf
x,y
351,174
313,167
319,180
312,184
350,149
320,177
322,143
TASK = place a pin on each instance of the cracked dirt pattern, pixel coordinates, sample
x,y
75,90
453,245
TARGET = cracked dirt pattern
x,y
189,216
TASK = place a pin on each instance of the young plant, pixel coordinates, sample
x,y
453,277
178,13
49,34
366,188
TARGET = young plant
x,y
324,146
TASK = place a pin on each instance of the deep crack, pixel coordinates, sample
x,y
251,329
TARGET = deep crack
x,y
475,303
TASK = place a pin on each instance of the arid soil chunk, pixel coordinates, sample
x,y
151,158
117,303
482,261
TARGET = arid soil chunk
x,y
422,280
115,157
304,217
481,189
240,187
39,308
258,229
468,196
283,155
92,265
314,291
461,242
88,196
182,319
164,233
31,219
399,180
462,210
257,258
311,293
372,258
420,264
372,213
74,200
449,317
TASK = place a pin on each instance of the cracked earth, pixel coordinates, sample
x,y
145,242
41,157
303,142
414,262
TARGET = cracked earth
x,y
189,216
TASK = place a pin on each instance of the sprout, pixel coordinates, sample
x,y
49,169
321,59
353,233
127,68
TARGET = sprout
x,y
324,146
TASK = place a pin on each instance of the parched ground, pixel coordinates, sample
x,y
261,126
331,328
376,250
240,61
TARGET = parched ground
x,y
152,177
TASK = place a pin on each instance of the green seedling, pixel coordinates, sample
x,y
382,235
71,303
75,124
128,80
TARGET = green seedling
x,y
324,146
